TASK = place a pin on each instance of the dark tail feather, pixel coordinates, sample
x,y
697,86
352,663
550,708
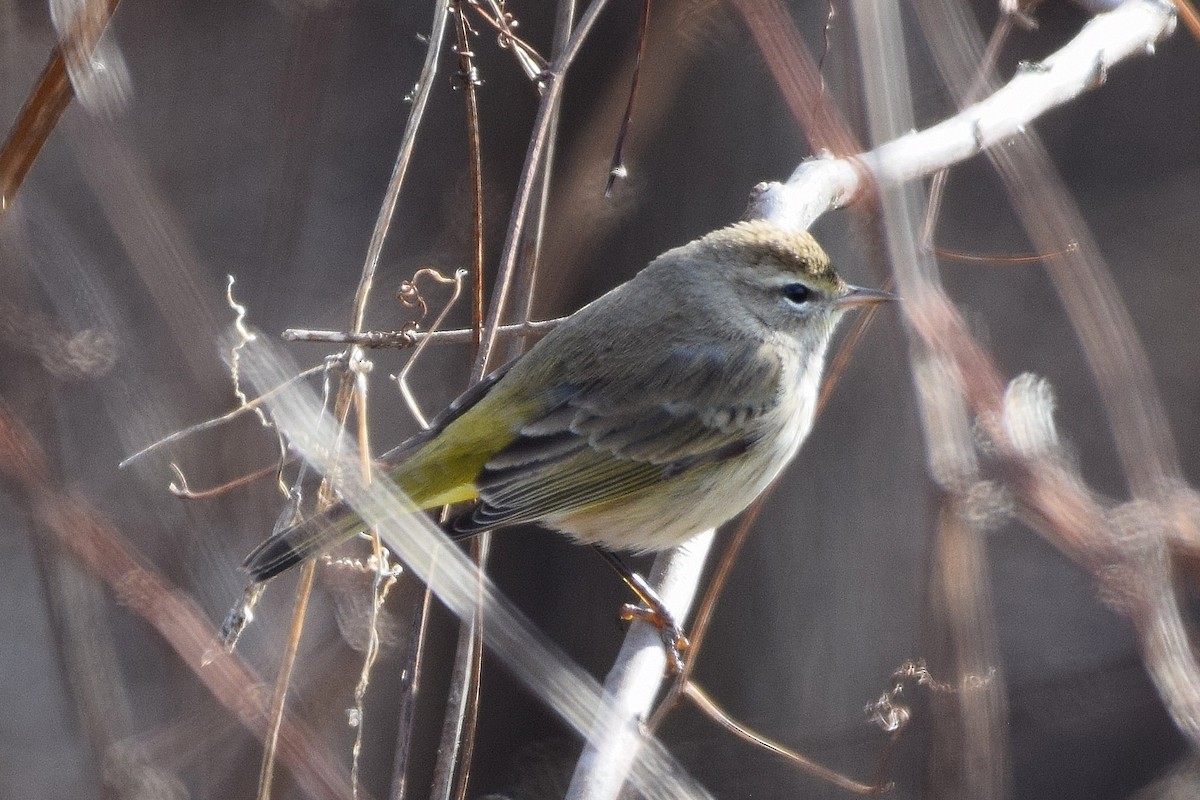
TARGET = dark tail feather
x,y
297,544
476,519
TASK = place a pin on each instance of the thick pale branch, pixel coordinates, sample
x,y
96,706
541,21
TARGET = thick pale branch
x,y
821,184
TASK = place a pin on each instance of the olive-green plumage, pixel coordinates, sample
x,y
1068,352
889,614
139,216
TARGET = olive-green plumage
x,y
661,409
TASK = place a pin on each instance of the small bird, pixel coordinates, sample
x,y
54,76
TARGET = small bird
x,y
659,410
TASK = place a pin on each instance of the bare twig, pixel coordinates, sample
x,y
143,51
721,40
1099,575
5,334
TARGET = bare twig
x,y
527,55
248,406
705,610
283,680
1133,572
529,179
803,763
402,339
841,360
682,686
402,376
981,82
1189,15
437,35
797,75
532,235
410,689
180,488
1002,259
383,577
631,683
616,169
467,80
459,725
49,97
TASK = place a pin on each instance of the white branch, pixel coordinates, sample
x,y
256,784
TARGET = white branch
x,y
636,676
825,183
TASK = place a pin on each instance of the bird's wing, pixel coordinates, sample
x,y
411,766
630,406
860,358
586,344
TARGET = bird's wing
x,y
459,406
698,405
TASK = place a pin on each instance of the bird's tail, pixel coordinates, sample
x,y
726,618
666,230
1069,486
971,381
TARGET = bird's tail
x,y
289,547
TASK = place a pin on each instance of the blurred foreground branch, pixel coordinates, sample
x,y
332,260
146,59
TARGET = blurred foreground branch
x,y
83,532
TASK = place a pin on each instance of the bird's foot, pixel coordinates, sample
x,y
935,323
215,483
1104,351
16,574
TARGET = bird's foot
x,y
673,639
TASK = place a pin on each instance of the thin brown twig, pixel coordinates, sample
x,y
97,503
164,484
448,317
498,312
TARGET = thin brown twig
x,y
325,498
470,665
467,79
387,209
33,126
503,25
49,97
805,764
456,719
409,690
547,111
616,168
283,680
462,708
403,339
1004,260
185,492
708,603
441,20
402,375
705,610
682,686
1189,15
480,549
249,405
797,76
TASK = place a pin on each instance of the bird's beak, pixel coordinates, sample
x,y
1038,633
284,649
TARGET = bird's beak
x,y
860,296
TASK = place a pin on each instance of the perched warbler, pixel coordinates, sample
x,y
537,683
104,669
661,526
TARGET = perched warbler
x,y
659,410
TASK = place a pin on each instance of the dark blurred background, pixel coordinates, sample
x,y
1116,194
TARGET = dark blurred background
x,y
256,141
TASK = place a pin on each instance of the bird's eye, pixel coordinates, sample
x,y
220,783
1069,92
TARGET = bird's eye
x,y
797,293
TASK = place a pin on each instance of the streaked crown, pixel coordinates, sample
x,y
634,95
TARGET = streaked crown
x,y
762,243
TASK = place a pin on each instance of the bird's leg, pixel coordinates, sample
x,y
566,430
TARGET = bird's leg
x,y
651,610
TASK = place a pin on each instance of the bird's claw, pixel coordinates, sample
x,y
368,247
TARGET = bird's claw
x,y
673,639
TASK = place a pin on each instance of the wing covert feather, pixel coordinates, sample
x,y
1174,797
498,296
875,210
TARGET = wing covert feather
x,y
603,441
